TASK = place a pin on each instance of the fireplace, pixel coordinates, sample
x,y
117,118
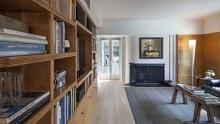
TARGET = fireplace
x,y
146,74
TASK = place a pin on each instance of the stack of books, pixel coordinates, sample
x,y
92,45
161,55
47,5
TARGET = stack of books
x,y
62,44
31,102
180,85
14,43
209,97
60,78
64,108
195,90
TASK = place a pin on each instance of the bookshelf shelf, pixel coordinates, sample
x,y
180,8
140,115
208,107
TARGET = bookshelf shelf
x,y
39,114
81,80
63,91
23,60
64,55
40,17
93,37
82,29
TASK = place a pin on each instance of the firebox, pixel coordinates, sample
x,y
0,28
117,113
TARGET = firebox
x,y
146,74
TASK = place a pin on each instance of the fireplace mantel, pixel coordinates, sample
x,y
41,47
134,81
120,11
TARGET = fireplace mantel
x,y
146,74
148,64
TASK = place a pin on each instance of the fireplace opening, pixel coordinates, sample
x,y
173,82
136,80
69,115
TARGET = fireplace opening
x,y
146,74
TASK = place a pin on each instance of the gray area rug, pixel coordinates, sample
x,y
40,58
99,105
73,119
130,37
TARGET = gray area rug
x,y
151,105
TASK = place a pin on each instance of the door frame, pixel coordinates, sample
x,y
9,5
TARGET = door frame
x,y
110,58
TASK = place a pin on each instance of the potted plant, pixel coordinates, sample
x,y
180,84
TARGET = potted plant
x,y
209,74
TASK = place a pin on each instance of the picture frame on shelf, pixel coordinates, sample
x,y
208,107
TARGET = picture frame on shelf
x,y
151,48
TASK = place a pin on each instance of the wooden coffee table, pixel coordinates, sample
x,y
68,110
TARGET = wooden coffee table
x,y
199,103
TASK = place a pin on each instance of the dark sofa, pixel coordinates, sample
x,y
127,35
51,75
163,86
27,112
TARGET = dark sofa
x,y
212,86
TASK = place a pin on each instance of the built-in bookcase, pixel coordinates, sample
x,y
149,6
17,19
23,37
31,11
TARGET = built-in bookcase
x,y
40,17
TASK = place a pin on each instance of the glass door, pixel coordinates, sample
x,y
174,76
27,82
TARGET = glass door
x,y
110,54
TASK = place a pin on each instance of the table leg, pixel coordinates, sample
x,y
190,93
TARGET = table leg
x,y
197,83
184,98
175,91
210,114
197,111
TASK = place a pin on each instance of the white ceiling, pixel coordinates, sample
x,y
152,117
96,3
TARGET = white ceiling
x,y
156,9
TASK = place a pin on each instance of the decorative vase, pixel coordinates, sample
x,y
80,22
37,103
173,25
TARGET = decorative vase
x,y
208,77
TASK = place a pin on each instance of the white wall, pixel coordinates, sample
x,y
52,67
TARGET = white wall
x,y
212,23
137,27
134,29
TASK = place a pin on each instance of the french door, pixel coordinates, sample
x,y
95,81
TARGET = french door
x,y
110,59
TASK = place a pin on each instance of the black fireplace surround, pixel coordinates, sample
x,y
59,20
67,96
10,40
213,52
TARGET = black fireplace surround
x,y
146,74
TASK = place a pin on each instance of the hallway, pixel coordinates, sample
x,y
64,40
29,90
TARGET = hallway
x,y
107,105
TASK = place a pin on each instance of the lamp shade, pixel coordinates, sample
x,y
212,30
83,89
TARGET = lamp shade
x,y
192,43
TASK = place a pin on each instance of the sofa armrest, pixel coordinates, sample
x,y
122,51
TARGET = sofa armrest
x,y
212,90
213,82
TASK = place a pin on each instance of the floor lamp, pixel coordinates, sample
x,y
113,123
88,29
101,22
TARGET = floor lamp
x,y
192,46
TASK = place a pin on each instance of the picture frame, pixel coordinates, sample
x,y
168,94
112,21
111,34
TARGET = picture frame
x,y
151,48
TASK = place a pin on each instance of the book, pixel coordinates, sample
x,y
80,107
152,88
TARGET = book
x,y
15,46
19,53
63,35
180,85
209,97
60,78
19,33
65,7
73,100
21,39
195,90
60,37
58,113
11,23
31,111
29,101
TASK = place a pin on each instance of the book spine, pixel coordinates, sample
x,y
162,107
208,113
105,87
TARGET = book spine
x,y
55,114
23,34
73,100
67,107
62,35
26,108
65,112
58,37
13,46
62,111
64,7
70,104
19,53
24,116
59,113
20,39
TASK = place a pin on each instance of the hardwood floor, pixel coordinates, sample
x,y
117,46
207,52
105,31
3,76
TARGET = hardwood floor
x,y
113,106
108,104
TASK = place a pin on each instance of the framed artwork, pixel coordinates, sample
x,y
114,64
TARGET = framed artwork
x,y
151,48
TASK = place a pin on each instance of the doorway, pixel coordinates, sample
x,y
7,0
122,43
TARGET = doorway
x,y
110,59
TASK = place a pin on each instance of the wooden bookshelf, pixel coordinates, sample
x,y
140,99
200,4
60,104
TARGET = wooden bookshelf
x,y
39,70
